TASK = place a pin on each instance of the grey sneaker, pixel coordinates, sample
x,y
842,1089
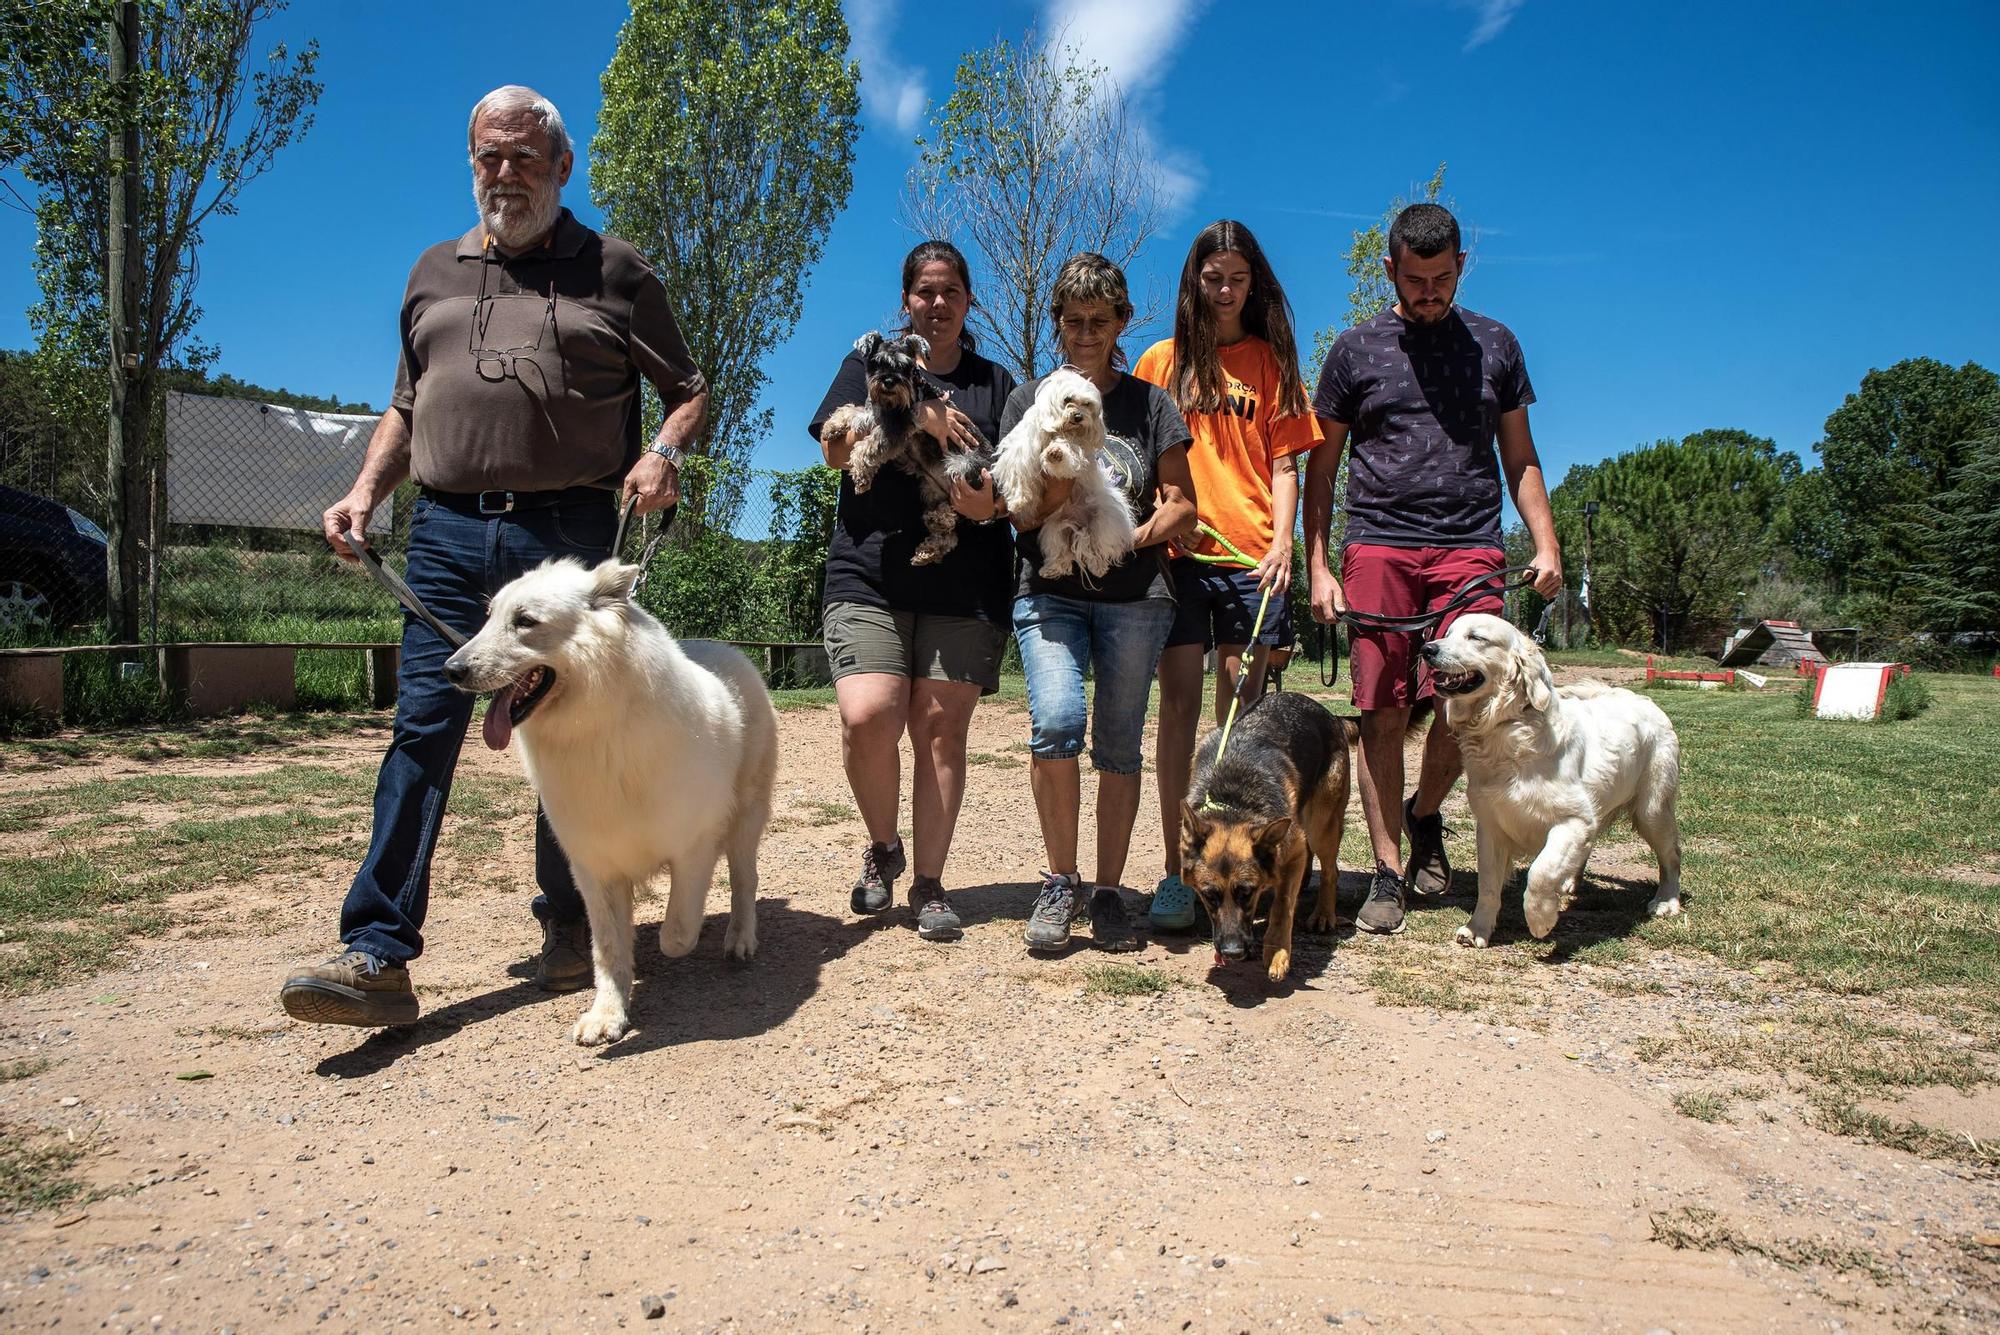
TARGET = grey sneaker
x,y
936,920
1429,870
1110,924
1055,909
351,988
565,965
875,888
1382,911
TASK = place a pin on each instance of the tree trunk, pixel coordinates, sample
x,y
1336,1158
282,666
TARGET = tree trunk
x,y
127,426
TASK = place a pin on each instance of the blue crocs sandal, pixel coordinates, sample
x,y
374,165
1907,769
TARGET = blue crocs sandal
x,y
1173,905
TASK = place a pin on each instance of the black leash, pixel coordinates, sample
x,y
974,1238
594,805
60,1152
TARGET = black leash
x,y
1508,578
1503,581
652,546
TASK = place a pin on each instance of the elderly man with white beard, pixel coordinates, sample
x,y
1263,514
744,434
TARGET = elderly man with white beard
x,y
517,412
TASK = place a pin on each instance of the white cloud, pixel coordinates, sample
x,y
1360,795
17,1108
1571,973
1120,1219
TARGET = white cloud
x,y
1135,43
1136,46
890,89
1494,15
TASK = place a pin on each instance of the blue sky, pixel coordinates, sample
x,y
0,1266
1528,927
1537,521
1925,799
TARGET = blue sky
x,y
1693,215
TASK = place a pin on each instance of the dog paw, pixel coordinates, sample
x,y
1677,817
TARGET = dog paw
x,y
1280,965
1665,908
739,943
1467,937
1322,924
597,1028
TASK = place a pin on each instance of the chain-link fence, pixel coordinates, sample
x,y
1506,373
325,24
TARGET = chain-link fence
x,y
234,550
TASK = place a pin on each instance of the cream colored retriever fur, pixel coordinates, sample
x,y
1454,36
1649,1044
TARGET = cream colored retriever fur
x,y
1546,770
650,755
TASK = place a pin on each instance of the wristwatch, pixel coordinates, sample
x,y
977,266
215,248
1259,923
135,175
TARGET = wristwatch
x,y
666,450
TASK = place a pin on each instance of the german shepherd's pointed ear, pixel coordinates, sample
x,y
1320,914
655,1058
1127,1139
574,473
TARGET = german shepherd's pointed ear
x,y
1190,817
611,584
867,343
917,346
1532,677
1272,837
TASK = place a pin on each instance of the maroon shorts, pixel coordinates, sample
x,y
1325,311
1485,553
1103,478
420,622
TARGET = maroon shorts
x,y
1401,582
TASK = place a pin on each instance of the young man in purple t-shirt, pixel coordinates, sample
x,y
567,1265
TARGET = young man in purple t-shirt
x,y
1419,395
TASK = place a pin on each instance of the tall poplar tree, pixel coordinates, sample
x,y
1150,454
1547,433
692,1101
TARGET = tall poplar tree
x,y
724,152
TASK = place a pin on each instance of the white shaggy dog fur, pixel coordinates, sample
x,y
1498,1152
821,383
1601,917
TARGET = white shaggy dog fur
x,y
1546,770
1057,438
649,755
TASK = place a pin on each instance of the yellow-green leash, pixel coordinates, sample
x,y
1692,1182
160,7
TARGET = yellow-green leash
x,y
1235,556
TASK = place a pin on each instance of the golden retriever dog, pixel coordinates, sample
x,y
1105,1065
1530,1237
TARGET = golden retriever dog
x,y
1546,770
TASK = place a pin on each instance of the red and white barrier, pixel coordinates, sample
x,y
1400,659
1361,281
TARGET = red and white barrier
x,y
1854,690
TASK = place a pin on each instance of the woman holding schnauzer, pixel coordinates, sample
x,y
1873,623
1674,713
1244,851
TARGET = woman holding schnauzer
x,y
1113,626
1232,368
912,648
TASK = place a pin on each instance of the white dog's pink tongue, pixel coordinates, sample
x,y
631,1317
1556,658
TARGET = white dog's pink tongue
x,y
499,725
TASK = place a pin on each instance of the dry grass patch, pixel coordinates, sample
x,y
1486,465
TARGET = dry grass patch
x,y
1697,1228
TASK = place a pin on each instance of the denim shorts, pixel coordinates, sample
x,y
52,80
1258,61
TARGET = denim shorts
x,y
1217,604
1119,643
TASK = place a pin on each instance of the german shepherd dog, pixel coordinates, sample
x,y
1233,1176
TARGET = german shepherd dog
x,y
1254,819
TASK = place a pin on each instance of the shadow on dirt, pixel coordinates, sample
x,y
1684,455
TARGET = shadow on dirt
x,y
699,998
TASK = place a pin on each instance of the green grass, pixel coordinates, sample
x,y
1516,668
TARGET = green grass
x,y
1701,1229
1126,980
1819,844
1702,1105
1628,658
70,907
35,1170
24,1068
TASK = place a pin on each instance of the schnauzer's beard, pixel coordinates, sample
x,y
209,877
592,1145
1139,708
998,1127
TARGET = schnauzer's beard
x,y
515,217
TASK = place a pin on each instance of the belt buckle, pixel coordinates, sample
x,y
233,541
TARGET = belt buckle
x,y
503,506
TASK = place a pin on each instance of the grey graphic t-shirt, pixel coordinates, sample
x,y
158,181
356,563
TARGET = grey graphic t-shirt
x,y
1422,404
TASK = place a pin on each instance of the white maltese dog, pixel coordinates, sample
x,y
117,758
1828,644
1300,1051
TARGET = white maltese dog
x,y
1060,437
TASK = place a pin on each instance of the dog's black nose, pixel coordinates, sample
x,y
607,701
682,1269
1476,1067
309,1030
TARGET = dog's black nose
x,y
1430,651
1233,949
456,672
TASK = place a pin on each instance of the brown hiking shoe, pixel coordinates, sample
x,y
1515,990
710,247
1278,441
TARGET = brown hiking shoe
x,y
351,988
1429,871
565,965
1382,911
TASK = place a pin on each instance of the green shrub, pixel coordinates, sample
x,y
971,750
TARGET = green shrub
x,y
1906,697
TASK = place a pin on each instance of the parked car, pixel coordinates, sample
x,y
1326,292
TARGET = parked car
x,y
51,564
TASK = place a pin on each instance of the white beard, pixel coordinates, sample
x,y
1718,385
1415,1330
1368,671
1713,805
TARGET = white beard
x,y
516,222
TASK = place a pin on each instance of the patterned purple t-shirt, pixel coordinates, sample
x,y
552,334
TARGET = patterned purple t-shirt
x,y
1422,404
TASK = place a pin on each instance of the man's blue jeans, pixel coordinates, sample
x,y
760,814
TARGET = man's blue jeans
x,y
457,563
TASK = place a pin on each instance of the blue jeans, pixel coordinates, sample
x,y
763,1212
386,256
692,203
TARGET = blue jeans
x,y
457,563
1120,643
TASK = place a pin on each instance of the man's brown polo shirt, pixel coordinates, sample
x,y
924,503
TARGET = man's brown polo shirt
x,y
568,329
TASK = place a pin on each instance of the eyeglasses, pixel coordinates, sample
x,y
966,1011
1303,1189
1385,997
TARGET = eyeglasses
x,y
495,365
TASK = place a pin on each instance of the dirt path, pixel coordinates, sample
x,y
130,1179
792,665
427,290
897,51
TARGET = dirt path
x,y
863,1132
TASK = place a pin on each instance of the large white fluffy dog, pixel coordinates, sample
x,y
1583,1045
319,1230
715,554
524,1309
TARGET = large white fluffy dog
x,y
649,755
1059,437
1546,770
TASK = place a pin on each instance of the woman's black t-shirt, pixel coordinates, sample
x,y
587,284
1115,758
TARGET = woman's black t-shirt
x,y
874,533
1141,423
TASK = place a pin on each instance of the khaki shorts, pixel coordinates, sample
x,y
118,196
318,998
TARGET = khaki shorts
x,y
860,638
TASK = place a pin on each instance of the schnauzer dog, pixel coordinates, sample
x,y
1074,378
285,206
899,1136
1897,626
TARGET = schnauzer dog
x,y
885,430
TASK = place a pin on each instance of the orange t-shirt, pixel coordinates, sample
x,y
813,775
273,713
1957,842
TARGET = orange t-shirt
x,y
1234,450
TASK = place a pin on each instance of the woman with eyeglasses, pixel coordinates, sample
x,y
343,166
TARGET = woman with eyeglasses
x,y
913,648
1232,367
1111,628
